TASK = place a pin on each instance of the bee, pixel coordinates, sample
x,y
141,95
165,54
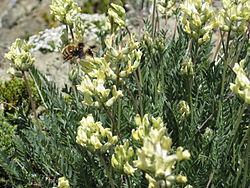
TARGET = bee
x,y
78,50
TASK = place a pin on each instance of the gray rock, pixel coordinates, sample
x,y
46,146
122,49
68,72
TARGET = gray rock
x,y
17,10
12,16
29,5
52,65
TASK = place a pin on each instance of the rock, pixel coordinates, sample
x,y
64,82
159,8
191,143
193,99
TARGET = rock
x,y
12,16
17,10
52,65
29,5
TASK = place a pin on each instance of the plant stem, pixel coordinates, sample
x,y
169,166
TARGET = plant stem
x,y
140,93
217,48
133,98
153,20
190,99
236,126
32,102
128,180
72,34
38,89
246,172
113,122
111,181
119,114
226,48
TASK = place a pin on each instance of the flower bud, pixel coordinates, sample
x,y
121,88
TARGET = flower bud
x,y
121,158
63,183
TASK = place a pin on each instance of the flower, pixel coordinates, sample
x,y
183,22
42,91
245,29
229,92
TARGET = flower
x,y
63,183
241,87
122,157
235,15
187,67
156,155
19,55
198,19
143,126
65,11
94,136
117,14
167,7
184,109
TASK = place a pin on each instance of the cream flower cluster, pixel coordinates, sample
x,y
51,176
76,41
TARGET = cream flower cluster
x,y
79,28
156,156
19,55
65,11
167,8
122,157
144,126
184,109
100,72
128,56
241,87
235,15
63,183
198,19
94,136
117,15
94,91
187,67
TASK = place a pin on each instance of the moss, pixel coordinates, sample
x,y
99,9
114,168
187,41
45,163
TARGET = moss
x,y
13,94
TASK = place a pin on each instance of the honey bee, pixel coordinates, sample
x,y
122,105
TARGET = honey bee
x,y
78,50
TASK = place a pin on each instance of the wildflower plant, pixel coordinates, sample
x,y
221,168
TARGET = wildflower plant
x,y
21,60
235,15
198,19
156,156
90,134
117,62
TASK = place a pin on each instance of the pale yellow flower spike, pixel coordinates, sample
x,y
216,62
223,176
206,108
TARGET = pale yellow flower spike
x,y
156,155
241,87
198,19
19,55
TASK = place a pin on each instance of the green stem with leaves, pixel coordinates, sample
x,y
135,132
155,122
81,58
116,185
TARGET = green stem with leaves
x,y
32,102
111,181
236,126
114,125
246,163
226,59
140,93
153,19
128,181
